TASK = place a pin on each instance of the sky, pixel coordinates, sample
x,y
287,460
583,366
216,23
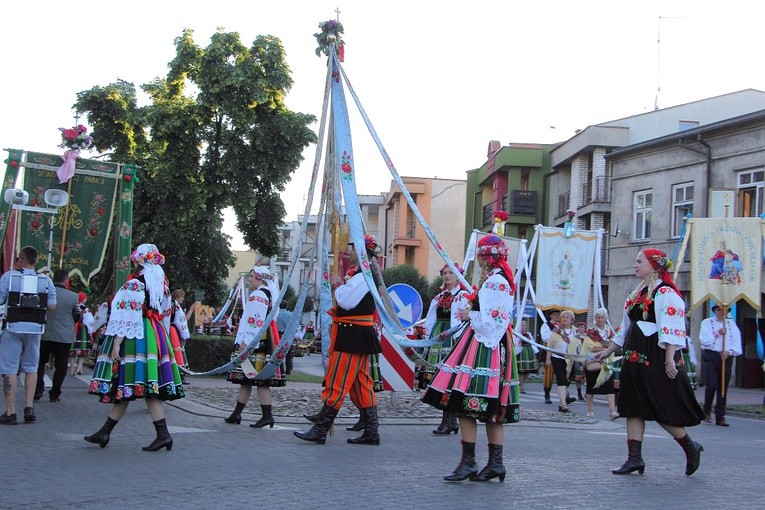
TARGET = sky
x,y
438,79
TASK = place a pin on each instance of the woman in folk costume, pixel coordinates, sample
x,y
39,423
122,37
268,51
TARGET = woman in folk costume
x,y
179,329
136,358
527,356
600,377
264,289
653,386
562,341
478,380
443,314
80,348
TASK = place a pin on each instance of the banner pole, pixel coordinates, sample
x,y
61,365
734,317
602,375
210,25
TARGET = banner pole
x,y
722,382
64,225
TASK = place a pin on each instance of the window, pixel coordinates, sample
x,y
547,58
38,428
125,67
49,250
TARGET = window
x,y
641,214
477,210
685,125
750,199
682,204
525,179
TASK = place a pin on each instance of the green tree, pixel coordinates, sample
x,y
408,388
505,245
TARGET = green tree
x,y
216,134
405,273
434,287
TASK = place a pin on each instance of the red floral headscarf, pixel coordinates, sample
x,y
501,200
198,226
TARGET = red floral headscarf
x,y
494,252
662,264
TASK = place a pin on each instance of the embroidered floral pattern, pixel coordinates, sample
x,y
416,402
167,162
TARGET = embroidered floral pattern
x,y
500,314
346,166
636,357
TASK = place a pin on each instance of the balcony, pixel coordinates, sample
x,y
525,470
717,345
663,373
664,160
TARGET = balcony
x,y
523,202
596,191
564,203
410,236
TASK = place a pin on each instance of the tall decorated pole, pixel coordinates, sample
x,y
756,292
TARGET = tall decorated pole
x,y
124,231
12,168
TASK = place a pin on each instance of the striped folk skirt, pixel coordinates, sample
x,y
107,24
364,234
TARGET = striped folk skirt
x,y
478,382
147,368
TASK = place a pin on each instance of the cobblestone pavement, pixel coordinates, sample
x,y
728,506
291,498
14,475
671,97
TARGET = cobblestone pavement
x,y
553,461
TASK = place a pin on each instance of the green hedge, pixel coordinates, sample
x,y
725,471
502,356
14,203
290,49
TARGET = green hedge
x,y
205,352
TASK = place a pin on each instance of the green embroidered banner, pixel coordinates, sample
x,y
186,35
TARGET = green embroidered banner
x,y
83,225
124,238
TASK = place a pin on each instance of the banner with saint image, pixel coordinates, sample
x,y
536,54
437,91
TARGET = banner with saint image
x,y
726,260
564,268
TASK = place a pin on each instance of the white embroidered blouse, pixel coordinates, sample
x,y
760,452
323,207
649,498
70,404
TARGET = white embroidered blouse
x,y
492,321
253,316
458,303
669,309
126,318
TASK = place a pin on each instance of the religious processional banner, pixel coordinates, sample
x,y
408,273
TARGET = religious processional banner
x,y
83,225
565,268
726,260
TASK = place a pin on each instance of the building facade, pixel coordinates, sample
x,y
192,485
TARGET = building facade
x,y
657,182
442,204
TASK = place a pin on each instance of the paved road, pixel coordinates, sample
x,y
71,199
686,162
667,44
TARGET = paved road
x,y
551,464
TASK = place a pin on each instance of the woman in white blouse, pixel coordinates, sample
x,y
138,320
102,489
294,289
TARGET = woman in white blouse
x,y
652,385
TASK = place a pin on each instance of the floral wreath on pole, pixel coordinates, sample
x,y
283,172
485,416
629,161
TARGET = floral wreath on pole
x,y
74,139
330,33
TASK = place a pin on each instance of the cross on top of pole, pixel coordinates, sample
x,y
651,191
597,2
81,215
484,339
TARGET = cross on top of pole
x,y
337,11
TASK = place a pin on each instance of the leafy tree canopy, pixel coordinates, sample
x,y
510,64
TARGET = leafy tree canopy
x,y
215,134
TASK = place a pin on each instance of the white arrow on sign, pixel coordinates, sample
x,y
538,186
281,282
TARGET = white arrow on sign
x,y
404,311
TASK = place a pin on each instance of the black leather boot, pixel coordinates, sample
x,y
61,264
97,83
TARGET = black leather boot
x,y
448,424
371,434
692,451
101,438
236,415
495,468
634,460
579,394
163,439
266,419
359,425
548,400
313,418
467,467
318,433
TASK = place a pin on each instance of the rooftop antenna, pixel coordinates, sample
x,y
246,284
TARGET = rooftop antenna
x,y
658,61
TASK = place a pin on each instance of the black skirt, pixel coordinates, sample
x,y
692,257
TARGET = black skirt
x,y
607,388
645,390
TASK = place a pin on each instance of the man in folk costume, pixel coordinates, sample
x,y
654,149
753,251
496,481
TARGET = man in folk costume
x,y
354,339
545,332
713,356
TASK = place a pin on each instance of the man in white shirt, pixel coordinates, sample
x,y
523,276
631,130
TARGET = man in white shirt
x,y
711,335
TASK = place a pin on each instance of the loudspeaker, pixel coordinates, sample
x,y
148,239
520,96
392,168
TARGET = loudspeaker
x,y
56,197
16,196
